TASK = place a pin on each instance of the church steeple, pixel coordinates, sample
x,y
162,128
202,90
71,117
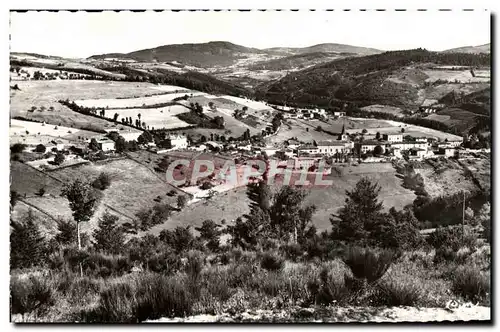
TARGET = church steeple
x,y
342,136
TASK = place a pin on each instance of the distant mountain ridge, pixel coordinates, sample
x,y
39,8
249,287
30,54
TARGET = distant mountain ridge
x,y
222,53
470,49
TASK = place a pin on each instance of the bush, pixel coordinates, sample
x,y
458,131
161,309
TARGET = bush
x,y
40,148
116,304
59,158
102,182
325,289
398,293
369,264
292,251
470,283
30,295
272,261
445,237
17,148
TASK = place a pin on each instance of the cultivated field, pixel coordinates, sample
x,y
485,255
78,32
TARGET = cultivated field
x,y
158,118
461,76
130,102
133,186
383,109
46,94
28,132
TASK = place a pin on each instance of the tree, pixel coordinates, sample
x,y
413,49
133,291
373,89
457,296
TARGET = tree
x,y
82,202
120,144
364,131
17,148
360,211
59,158
109,237
139,116
67,232
402,130
26,242
40,148
209,234
181,201
318,128
285,212
377,135
378,150
115,117
14,197
102,182
145,138
180,239
94,146
484,217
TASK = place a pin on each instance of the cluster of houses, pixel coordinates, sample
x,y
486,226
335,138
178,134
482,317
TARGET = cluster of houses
x,y
430,106
390,145
306,113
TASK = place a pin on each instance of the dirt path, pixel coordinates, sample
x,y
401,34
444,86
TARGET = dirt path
x,y
346,314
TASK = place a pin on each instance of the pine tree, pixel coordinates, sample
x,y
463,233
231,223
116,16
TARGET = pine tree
x,y
209,233
26,242
360,213
109,237
67,232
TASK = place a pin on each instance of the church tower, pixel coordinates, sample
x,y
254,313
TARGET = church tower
x,y
343,135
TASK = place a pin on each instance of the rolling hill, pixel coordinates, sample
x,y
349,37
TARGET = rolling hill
x,y
470,49
217,53
373,79
326,47
222,53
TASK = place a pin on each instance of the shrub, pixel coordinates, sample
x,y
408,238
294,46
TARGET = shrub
x,y
102,182
272,261
292,251
116,304
31,295
17,148
470,283
369,264
160,296
59,158
398,292
325,289
40,148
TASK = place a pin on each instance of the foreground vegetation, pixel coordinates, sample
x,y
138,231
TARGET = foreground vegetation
x,y
270,259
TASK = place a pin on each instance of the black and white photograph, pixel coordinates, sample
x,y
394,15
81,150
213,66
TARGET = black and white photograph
x,y
250,166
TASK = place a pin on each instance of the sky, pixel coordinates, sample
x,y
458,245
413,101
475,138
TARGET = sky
x,y
83,34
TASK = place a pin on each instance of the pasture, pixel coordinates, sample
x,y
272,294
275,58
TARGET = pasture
x,y
383,109
113,103
33,133
163,117
46,94
459,76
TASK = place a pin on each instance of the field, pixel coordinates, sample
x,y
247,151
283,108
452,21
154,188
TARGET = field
x,y
130,102
47,93
232,204
133,186
459,76
158,118
383,109
28,132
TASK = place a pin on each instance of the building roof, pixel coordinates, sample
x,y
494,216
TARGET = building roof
x,y
307,146
393,133
330,143
104,140
429,102
372,142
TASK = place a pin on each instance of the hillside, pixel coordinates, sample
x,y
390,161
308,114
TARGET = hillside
x,y
366,80
223,54
217,53
298,61
470,49
326,47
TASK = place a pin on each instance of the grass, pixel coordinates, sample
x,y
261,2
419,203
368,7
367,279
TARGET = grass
x,y
242,284
47,93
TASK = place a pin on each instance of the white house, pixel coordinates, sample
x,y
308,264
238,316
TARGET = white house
x,y
177,141
394,137
105,144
